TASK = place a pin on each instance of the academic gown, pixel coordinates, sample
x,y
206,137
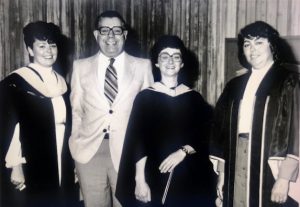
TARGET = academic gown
x,y
159,125
22,103
275,132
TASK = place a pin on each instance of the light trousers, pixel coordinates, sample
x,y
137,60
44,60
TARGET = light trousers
x,y
98,179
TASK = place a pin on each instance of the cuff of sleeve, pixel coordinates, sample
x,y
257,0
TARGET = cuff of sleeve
x,y
22,160
289,169
221,166
216,161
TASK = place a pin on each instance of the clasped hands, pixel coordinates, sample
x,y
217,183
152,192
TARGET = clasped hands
x,y
142,189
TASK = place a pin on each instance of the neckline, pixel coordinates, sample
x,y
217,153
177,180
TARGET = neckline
x,y
172,88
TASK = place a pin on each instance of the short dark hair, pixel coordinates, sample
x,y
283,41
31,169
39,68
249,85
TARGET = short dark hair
x,y
186,74
110,14
42,31
255,30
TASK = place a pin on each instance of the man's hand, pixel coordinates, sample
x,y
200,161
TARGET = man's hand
x,y
280,190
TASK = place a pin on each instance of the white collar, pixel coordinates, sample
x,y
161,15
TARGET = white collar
x,y
159,87
118,64
120,57
42,85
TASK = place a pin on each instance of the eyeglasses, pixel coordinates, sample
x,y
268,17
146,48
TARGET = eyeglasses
x,y
165,57
116,30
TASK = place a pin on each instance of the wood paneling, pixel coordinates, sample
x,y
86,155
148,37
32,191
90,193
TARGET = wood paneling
x,y
202,24
283,15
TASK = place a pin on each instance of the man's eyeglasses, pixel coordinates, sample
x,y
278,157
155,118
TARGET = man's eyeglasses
x,y
165,57
116,30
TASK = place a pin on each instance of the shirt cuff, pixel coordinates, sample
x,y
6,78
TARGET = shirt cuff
x,y
289,169
221,166
10,164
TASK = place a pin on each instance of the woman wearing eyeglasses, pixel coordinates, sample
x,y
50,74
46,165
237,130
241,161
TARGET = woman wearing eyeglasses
x,y
166,139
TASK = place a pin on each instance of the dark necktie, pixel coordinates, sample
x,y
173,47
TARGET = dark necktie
x,y
111,82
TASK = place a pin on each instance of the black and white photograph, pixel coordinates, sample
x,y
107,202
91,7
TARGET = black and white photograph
x,y
149,103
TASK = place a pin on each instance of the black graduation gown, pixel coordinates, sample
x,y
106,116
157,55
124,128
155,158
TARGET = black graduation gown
x,y
23,104
159,125
277,100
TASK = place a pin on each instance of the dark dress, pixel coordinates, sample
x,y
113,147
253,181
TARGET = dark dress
x,y
159,125
275,132
22,103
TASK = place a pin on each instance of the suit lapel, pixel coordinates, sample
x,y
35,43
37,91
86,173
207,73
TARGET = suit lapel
x,y
94,77
129,67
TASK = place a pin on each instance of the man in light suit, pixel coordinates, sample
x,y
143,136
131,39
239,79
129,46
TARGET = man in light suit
x,y
101,106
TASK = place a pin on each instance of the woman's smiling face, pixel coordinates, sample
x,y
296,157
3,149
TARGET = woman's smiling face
x,y
169,62
44,53
258,52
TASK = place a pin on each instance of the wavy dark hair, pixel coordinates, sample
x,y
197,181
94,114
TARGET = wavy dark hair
x,y
256,30
110,14
188,74
42,31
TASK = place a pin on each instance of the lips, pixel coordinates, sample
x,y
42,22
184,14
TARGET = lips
x,y
111,43
253,57
170,68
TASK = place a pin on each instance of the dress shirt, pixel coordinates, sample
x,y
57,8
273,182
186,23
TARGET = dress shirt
x,y
103,63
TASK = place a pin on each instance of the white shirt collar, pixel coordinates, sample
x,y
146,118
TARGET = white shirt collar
x,y
118,64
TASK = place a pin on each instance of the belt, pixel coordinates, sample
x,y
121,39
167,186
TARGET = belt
x,y
243,135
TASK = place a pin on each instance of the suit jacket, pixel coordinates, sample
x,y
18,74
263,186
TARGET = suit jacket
x,y
92,113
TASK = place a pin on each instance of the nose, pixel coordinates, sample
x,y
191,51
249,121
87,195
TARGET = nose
x,y
171,60
48,49
252,48
111,34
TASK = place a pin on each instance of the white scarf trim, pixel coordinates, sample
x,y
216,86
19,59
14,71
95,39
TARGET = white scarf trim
x,y
181,89
31,77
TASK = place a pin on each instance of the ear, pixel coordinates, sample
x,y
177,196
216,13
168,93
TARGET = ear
x,y
96,33
157,65
30,51
125,33
181,65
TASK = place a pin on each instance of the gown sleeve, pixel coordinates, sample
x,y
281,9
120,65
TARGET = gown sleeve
x,y
133,150
8,115
199,136
218,128
8,121
14,154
